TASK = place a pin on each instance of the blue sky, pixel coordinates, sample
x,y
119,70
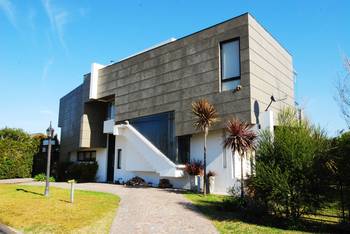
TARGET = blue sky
x,y
46,47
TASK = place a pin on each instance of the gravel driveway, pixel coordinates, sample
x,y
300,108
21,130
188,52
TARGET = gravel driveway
x,y
150,210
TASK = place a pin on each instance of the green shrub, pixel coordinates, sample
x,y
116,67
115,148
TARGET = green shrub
x,y
338,167
16,153
42,177
286,179
247,206
79,171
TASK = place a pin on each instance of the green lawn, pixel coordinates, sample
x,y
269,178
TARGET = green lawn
x,y
26,209
236,222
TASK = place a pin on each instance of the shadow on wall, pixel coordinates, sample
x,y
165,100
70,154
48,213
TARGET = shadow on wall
x,y
257,112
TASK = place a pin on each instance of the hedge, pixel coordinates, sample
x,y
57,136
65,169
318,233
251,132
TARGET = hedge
x,y
79,171
16,153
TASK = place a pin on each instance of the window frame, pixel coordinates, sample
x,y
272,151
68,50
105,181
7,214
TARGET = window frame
x,y
187,140
119,158
84,156
221,62
111,110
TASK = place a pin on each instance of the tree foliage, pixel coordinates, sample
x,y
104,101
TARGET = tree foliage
x,y
286,170
343,92
338,165
205,116
240,138
16,153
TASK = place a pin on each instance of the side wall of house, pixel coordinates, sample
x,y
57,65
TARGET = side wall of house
x,y
101,158
81,121
91,133
219,160
271,72
172,76
70,111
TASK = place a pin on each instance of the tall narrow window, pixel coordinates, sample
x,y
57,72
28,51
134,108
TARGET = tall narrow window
x,y
119,159
183,149
224,158
111,111
224,151
86,156
233,165
230,64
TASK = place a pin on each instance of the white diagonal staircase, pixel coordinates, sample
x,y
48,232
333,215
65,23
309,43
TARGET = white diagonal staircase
x,y
149,157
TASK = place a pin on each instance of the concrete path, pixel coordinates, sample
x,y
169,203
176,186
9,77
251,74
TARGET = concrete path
x,y
16,181
150,210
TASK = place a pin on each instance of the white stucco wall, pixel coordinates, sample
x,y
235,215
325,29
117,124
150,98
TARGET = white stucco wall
x,y
101,158
132,163
219,160
123,175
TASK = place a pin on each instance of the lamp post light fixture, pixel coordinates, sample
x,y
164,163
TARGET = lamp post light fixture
x,y
49,133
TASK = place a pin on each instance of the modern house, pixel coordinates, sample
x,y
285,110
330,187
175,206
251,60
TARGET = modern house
x,y
134,116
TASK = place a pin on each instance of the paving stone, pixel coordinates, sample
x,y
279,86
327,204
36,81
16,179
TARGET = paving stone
x,y
150,210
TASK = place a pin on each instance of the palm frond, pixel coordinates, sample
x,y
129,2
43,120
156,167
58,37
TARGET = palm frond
x,y
205,114
240,136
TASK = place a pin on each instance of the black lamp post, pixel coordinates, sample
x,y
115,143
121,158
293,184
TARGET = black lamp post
x,y
49,133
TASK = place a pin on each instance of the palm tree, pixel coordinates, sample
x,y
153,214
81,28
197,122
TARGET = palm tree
x,y
205,116
241,138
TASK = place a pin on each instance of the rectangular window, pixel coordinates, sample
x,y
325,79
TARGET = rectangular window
x,y
119,159
86,156
111,111
224,151
224,158
159,129
230,64
183,149
233,165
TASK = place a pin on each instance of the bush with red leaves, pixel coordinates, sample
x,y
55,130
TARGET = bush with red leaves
x,y
195,167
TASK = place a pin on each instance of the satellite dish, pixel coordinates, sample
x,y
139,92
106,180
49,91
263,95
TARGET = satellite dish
x,y
272,99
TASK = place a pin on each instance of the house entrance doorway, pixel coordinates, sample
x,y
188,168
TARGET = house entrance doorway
x,y
110,158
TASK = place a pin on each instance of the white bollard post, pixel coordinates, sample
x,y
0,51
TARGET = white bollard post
x,y
72,182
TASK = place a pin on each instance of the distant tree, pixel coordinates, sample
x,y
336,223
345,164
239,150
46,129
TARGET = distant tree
x,y
343,92
241,139
205,116
16,153
338,164
286,176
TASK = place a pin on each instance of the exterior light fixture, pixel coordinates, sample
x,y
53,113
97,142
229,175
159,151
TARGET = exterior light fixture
x,y
238,88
